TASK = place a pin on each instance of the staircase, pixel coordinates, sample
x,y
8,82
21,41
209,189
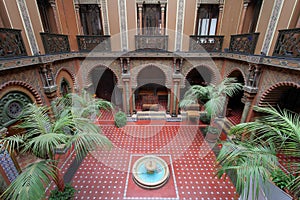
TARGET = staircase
x,y
151,115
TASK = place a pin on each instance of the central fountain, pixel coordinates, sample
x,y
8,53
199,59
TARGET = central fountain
x,y
150,172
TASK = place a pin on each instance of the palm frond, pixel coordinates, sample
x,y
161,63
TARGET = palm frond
x,y
250,164
43,145
35,120
31,183
87,141
12,143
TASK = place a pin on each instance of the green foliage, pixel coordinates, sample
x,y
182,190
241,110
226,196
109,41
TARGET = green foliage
x,y
281,179
255,157
31,183
205,118
120,119
67,194
213,95
42,135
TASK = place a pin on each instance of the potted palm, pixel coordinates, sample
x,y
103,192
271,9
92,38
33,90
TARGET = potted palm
x,y
214,97
41,135
255,159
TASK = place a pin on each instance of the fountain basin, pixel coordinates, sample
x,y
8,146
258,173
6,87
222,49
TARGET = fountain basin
x,y
150,172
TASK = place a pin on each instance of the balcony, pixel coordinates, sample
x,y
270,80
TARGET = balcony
x,y
243,43
11,43
288,43
97,43
151,42
206,43
55,43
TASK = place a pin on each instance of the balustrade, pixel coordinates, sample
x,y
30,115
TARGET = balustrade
x,y
97,43
11,43
288,43
158,42
55,43
243,43
207,43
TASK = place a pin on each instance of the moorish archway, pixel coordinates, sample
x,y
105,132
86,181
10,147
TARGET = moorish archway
x,y
104,81
285,95
151,89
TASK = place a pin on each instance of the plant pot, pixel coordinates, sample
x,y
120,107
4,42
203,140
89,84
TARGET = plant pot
x,y
212,134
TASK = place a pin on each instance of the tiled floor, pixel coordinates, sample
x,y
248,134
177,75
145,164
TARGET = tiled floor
x,y
106,174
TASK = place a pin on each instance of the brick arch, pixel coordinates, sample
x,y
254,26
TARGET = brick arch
x,y
165,69
69,76
89,81
275,92
23,87
215,75
237,69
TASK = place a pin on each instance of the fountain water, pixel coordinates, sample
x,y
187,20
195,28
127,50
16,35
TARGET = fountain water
x,y
150,172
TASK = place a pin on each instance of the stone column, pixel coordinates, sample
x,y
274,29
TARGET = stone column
x,y
249,94
140,9
162,7
56,16
126,95
220,17
169,101
176,94
246,2
79,25
250,90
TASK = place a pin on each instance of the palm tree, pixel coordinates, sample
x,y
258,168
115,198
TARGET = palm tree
x,y
253,155
214,96
42,135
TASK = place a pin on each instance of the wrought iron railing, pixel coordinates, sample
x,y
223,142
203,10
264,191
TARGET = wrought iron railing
x,y
11,43
97,43
151,42
55,43
288,43
206,43
243,43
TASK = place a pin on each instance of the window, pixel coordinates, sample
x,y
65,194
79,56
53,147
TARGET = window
x,y
47,16
150,18
207,19
251,17
90,16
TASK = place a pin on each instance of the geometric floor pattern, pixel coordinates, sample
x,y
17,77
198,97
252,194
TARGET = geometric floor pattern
x,y
106,174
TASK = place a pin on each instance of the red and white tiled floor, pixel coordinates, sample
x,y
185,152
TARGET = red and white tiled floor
x,y
106,174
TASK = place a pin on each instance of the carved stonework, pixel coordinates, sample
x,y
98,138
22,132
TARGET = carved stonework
x,y
28,26
151,1
179,27
272,25
253,75
11,107
123,24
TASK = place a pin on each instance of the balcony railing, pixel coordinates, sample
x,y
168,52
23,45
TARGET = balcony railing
x,y
288,43
97,43
153,42
243,43
55,43
207,43
11,43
